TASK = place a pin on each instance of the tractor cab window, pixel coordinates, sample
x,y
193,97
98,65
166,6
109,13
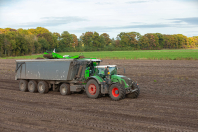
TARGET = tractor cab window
x,y
101,71
113,70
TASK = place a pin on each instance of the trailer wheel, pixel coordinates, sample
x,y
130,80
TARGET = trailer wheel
x,y
117,92
23,85
92,89
65,89
32,86
43,87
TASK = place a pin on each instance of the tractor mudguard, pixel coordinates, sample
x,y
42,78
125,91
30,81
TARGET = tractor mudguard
x,y
98,79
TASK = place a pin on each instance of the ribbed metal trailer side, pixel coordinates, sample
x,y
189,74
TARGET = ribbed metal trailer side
x,y
61,69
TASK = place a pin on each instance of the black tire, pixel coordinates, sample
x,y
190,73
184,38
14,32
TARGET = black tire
x,y
43,87
117,92
136,93
65,89
32,86
92,89
23,85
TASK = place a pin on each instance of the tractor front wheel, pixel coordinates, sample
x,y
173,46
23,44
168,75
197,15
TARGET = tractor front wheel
x,y
117,92
92,89
136,93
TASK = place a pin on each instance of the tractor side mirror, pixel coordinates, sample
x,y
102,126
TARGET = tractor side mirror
x,y
121,68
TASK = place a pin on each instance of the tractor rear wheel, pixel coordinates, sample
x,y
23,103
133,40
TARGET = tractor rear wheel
x,y
32,86
92,89
117,92
65,89
43,87
23,85
136,93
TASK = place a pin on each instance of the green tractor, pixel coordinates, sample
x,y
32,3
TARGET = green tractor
x,y
103,79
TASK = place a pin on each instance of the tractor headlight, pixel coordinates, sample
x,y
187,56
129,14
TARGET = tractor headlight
x,y
129,81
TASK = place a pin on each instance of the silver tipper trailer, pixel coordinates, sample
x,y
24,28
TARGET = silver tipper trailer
x,y
44,74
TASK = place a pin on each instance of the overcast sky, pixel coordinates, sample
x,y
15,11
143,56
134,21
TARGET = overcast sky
x,y
102,16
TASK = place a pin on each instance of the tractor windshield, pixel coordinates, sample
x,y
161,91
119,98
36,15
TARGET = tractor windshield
x,y
113,70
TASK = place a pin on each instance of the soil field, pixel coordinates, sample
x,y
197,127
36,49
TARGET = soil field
x,y
168,102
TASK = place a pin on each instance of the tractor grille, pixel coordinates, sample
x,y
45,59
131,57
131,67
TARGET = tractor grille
x,y
127,80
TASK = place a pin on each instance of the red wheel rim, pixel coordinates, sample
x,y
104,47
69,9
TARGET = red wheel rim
x,y
115,92
92,89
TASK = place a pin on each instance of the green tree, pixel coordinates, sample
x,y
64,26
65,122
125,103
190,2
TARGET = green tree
x,y
50,40
32,31
167,43
144,42
21,44
161,40
103,41
10,41
191,41
129,39
44,44
87,39
174,41
1,44
65,41
96,40
37,47
75,41
56,40
57,35
153,40
182,41
107,39
41,30
196,40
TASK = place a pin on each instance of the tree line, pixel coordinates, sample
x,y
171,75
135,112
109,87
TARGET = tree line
x,y
33,41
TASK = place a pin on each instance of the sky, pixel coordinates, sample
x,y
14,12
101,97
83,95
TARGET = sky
x,y
102,16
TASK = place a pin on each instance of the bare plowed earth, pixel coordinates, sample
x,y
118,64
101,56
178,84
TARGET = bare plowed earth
x,y
168,102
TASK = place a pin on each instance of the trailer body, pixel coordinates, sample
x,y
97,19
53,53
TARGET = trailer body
x,y
48,69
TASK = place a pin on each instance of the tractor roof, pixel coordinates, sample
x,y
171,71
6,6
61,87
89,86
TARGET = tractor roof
x,y
95,60
104,66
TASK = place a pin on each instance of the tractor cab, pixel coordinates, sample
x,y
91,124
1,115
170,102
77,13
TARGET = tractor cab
x,y
102,70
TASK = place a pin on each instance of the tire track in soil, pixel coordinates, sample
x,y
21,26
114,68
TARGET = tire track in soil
x,y
9,84
127,118
58,118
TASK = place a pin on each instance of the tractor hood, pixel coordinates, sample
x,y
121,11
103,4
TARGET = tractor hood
x,y
127,80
